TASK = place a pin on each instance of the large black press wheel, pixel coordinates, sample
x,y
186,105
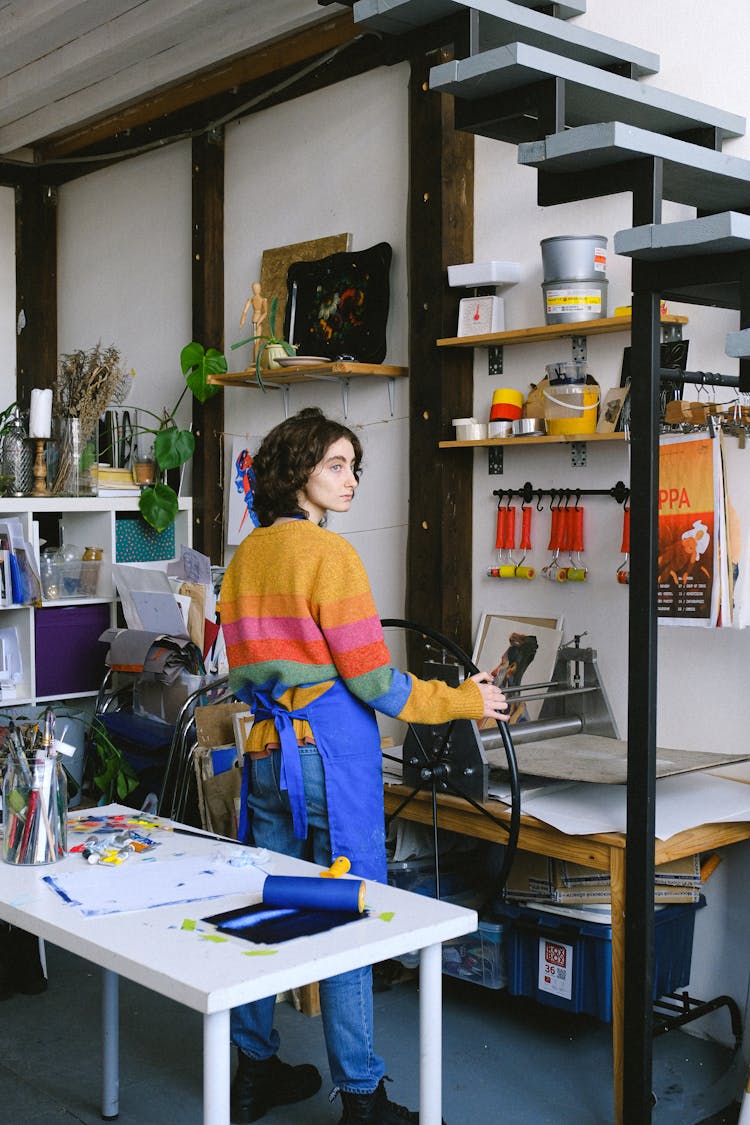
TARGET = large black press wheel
x,y
431,745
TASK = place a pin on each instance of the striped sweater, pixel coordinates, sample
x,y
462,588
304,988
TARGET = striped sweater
x,y
297,613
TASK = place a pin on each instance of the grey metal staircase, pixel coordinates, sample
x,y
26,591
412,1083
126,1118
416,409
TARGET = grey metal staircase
x,y
573,101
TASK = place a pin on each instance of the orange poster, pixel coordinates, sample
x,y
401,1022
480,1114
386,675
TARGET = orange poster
x,y
689,500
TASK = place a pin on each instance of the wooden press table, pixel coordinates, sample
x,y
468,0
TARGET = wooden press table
x,y
603,851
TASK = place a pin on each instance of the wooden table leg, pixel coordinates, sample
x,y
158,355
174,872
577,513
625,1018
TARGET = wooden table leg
x,y
617,878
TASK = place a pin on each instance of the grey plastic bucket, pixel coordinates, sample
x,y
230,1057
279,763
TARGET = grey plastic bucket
x,y
577,257
567,301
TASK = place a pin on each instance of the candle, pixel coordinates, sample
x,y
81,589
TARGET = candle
x,y
40,418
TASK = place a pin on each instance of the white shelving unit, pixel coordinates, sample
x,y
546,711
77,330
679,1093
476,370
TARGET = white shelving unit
x,y
86,521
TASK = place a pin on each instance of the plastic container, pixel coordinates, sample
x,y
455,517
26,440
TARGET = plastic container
x,y
567,301
566,962
559,374
579,256
478,957
571,409
460,873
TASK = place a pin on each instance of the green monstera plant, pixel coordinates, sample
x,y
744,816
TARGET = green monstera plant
x,y
173,447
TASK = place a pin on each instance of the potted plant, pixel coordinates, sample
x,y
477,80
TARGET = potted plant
x,y
173,447
271,347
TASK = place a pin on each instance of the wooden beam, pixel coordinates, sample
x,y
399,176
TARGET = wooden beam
x,y
441,233
208,329
227,78
36,287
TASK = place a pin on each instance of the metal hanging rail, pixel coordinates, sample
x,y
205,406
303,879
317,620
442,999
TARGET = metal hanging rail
x,y
619,492
701,378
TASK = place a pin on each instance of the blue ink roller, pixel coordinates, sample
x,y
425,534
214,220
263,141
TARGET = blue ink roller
x,y
303,893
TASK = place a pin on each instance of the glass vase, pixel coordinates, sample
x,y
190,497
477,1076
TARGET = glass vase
x,y
35,807
74,455
16,461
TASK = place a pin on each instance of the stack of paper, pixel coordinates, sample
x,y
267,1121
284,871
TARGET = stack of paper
x,y
542,879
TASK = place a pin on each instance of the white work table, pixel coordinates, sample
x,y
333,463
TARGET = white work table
x,y
169,950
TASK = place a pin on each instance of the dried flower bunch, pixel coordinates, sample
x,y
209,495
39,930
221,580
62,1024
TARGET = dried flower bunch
x,y
87,382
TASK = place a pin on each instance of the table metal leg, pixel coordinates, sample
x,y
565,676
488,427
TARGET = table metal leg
x,y
216,1068
110,1045
430,1035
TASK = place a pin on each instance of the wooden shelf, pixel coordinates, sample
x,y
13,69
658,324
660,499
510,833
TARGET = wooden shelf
x,y
550,332
538,439
305,373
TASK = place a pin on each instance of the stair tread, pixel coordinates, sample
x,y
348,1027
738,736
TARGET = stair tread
x,y
396,17
590,94
662,242
738,343
698,176
499,22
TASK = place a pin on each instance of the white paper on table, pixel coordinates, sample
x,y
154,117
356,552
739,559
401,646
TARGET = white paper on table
x,y
682,801
141,884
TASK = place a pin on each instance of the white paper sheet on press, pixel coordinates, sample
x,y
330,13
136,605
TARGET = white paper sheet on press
x,y
682,802
143,884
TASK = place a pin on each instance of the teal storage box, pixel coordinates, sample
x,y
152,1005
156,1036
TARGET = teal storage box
x,y
566,963
137,541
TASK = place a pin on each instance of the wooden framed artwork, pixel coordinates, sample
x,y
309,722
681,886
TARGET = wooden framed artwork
x,y
275,265
511,648
611,409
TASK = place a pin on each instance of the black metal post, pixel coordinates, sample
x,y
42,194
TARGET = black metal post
x,y
642,673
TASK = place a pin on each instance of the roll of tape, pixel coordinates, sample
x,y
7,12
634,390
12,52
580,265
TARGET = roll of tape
x,y
507,394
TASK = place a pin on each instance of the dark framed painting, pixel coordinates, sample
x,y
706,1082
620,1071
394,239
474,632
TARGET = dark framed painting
x,y
337,307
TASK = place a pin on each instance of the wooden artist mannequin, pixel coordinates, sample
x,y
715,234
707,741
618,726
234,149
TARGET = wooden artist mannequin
x,y
259,305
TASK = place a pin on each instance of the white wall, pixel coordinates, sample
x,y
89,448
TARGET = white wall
x,y
124,274
336,161
322,165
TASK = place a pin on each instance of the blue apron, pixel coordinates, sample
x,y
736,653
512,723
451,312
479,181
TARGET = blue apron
x,y
347,738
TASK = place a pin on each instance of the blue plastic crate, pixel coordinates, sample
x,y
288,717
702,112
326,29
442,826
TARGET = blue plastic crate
x,y
566,963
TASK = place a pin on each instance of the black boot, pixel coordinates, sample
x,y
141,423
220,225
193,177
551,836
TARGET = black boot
x,y
374,1109
260,1084
28,975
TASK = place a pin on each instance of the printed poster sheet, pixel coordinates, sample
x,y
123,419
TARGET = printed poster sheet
x,y
241,517
690,516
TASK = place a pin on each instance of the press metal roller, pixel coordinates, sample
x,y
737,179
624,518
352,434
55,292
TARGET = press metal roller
x,y
574,702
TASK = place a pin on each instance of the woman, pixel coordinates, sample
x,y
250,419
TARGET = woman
x,y
306,651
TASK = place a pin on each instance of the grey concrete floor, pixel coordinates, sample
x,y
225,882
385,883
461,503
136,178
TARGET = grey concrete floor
x,y
506,1061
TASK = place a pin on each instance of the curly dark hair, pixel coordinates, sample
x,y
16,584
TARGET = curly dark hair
x,y
287,456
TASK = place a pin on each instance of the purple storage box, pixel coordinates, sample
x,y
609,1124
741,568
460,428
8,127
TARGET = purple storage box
x,y
69,655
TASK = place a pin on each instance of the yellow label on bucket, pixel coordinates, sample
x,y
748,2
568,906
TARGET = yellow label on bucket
x,y
570,301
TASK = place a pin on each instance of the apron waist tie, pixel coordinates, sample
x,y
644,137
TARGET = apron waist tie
x,y
291,766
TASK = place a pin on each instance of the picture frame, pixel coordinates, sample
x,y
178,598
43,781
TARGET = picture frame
x,y
611,409
508,647
276,260
337,307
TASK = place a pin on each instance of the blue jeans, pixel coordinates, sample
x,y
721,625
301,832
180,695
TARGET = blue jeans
x,y
346,999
